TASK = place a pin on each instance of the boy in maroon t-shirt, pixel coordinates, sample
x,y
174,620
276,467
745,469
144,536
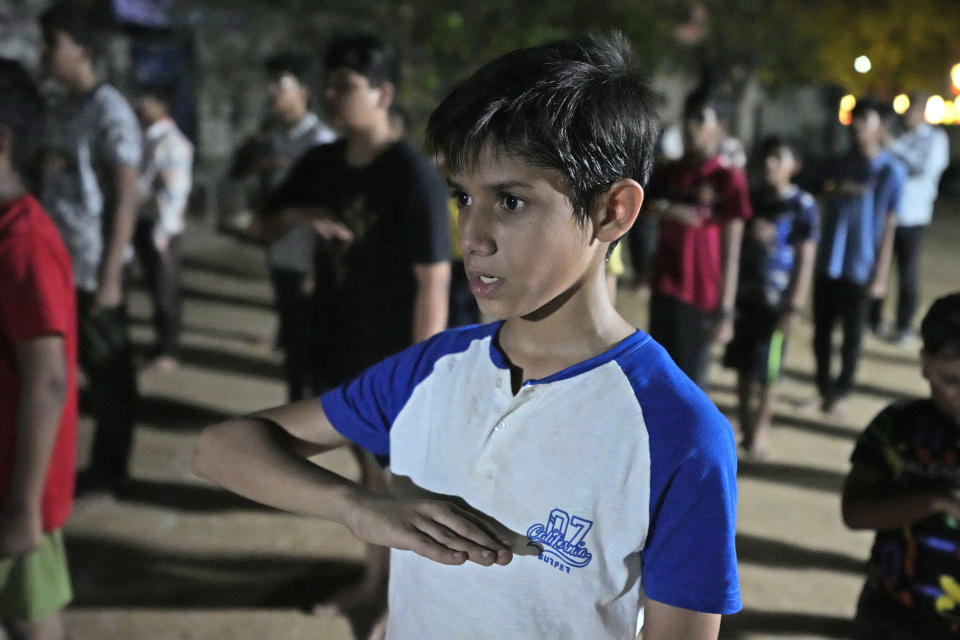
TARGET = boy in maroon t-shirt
x,y
702,204
38,384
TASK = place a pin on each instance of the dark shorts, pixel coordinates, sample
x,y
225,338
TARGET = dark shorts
x,y
757,348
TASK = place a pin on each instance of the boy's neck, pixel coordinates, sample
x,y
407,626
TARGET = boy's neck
x,y
294,117
577,328
84,81
364,145
781,190
11,187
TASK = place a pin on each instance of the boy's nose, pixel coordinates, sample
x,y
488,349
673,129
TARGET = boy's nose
x,y
475,236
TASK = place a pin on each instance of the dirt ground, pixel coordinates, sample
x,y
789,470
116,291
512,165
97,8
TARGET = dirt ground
x,y
176,558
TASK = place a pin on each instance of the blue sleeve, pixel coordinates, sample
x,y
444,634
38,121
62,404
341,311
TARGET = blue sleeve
x,y
890,190
363,409
808,220
689,560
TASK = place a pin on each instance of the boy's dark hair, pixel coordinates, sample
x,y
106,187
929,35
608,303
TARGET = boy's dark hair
x,y
162,92
709,96
940,328
580,106
21,110
295,64
366,55
866,104
75,19
777,141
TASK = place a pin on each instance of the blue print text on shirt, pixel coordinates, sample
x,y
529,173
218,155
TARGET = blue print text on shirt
x,y
563,540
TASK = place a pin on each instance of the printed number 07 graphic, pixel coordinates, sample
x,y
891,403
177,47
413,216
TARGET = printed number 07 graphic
x,y
560,520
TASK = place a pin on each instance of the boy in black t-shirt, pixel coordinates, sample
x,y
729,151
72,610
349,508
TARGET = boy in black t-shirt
x,y
383,260
905,483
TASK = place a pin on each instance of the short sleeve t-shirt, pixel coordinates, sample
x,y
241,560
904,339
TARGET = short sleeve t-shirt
x,y
36,299
859,193
619,466
90,137
396,208
689,265
917,568
770,239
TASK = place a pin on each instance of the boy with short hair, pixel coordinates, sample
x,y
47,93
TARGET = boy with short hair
x,y
89,187
559,433
776,266
702,202
905,484
38,392
292,130
861,200
164,185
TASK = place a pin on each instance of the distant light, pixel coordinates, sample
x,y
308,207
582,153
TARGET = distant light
x,y
862,64
845,117
935,110
901,103
848,102
955,76
949,112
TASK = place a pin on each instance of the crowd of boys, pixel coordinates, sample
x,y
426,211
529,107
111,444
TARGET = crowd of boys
x,y
494,505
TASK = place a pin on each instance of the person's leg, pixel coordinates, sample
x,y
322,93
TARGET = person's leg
x,y
824,317
149,259
907,247
854,312
112,390
168,300
293,311
745,404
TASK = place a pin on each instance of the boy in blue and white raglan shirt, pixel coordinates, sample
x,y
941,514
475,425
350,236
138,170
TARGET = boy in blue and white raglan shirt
x,y
559,450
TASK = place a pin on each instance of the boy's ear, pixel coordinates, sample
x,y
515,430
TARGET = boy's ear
x,y
618,209
387,92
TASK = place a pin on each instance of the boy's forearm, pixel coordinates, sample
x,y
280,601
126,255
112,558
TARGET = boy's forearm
x,y
665,622
123,223
884,255
885,510
732,238
257,459
432,299
43,391
802,275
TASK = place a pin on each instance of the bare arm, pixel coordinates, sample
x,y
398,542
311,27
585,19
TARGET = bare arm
x,y
732,240
110,291
43,391
431,302
665,622
263,457
800,279
869,502
878,283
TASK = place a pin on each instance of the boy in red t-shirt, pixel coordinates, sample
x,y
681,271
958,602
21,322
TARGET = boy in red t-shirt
x,y
38,398
702,203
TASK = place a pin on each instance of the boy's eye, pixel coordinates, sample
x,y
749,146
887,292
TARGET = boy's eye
x,y
511,202
463,200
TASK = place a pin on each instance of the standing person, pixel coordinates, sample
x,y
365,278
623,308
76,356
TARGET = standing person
x,y
925,151
165,182
776,267
89,186
38,383
905,484
559,443
383,264
862,193
292,130
702,203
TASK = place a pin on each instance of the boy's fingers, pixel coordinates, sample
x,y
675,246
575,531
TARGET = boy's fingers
x,y
470,527
454,541
422,544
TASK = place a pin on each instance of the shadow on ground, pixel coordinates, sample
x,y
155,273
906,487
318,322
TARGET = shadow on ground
x,y
751,622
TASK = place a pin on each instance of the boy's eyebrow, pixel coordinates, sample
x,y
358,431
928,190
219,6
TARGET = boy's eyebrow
x,y
494,186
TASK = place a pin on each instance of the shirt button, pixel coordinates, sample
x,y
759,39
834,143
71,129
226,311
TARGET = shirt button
x,y
500,426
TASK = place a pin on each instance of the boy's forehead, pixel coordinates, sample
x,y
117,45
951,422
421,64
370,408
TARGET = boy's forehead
x,y
496,166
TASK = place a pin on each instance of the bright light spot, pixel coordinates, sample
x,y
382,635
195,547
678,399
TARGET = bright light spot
x,y
949,112
935,109
845,117
901,103
847,103
955,76
862,64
